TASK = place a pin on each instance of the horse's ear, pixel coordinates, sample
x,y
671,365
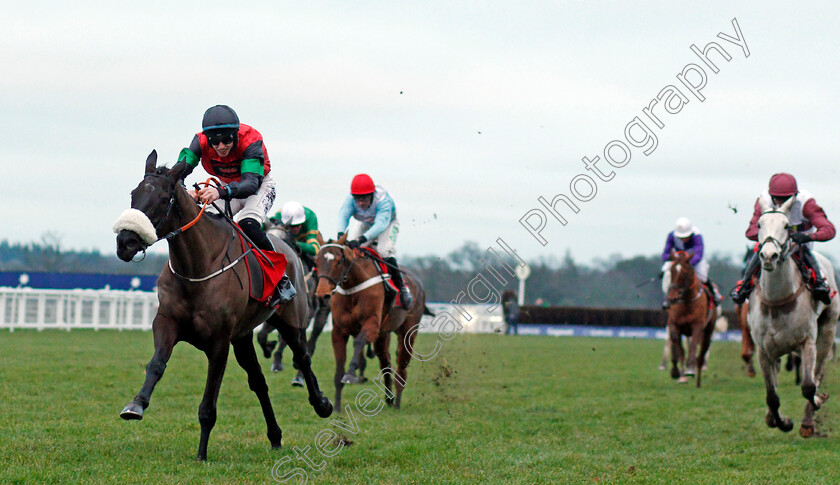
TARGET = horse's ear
x,y
177,171
763,205
151,162
788,203
342,239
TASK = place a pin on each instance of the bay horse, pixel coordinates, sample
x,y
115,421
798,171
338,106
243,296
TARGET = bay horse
x,y
204,297
689,314
784,318
361,308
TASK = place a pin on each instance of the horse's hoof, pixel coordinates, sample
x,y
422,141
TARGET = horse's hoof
x,y
323,407
297,381
750,372
132,411
675,373
682,380
662,366
786,425
807,430
389,401
349,378
276,367
690,371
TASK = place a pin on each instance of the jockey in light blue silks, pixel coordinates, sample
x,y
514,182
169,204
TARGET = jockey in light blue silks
x,y
686,237
373,207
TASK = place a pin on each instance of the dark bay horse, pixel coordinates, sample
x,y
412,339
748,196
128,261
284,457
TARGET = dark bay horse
x,y
361,308
204,297
689,315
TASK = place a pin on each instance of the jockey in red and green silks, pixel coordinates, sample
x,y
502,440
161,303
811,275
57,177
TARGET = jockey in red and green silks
x,y
234,153
378,226
808,223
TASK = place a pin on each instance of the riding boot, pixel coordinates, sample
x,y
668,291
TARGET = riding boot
x,y
716,296
406,300
820,290
284,292
744,287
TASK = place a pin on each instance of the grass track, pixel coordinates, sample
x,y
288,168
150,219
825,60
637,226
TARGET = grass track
x,y
487,409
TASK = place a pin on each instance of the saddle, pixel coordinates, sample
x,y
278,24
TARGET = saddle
x,y
263,274
391,290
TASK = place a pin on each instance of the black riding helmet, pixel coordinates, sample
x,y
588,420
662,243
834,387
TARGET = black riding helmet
x,y
219,117
220,124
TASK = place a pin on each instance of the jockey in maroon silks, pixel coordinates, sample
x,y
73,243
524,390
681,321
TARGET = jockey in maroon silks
x,y
234,152
808,223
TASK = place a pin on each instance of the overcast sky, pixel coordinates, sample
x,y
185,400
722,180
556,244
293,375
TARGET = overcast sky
x,y
466,112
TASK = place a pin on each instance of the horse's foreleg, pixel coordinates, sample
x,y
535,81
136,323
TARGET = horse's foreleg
x,y
694,341
676,350
357,361
339,343
165,339
246,356
262,339
770,372
705,347
296,339
216,362
403,359
380,347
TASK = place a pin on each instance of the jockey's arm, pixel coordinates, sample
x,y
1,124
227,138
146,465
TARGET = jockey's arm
x,y
384,209
309,245
752,230
815,214
345,213
698,249
669,244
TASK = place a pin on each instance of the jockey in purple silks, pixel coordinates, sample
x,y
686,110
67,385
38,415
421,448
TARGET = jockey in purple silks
x,y
686,237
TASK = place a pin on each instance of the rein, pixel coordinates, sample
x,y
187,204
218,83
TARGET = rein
x,y
373,281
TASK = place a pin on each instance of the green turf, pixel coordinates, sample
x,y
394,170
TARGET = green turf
x,y
487,409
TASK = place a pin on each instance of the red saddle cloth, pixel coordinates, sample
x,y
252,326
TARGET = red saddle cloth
x,y
272,267
385,270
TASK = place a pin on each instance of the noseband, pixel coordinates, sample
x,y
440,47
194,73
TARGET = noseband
x,y
343,261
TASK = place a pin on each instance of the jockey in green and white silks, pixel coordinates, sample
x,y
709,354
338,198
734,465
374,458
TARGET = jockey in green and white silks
x,y
378,226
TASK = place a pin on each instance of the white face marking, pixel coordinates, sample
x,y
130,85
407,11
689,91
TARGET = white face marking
x,y
329,256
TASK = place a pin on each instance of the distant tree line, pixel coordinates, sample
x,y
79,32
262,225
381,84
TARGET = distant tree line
x,y
616,282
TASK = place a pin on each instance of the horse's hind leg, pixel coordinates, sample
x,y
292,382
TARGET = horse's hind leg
x,y
296,339
809,363
277,362
246,356
165,339
216,362
770,372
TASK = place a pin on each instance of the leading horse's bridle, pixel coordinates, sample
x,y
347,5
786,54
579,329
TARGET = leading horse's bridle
x,y
783,247
343,261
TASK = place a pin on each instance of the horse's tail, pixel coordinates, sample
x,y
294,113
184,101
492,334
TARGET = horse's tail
x,y
428,312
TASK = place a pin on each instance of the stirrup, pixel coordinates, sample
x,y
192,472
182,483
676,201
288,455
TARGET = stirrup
x,y
740,293
283,293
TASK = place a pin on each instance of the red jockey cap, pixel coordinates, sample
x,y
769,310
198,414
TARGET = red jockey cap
x,y
782,185
362,185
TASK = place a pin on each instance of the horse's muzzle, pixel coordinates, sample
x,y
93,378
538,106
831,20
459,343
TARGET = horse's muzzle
x,y
128,244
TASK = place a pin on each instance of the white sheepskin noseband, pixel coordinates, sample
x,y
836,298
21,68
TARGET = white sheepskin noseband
x,y
138,222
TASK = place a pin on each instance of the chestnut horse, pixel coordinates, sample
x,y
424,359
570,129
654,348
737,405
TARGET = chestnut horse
x,y
204,297
689,314
361,307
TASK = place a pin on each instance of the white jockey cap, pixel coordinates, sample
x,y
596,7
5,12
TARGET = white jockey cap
x,y
292,214
682,228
